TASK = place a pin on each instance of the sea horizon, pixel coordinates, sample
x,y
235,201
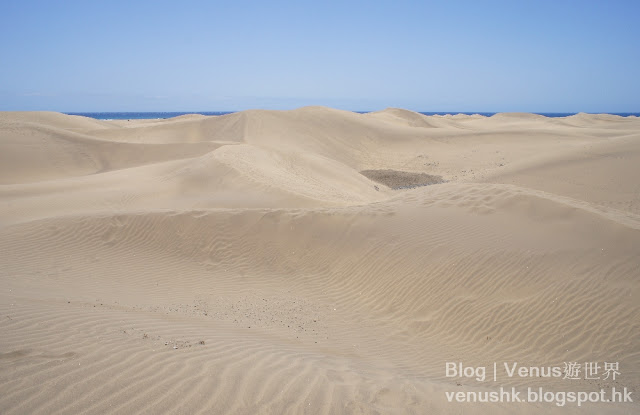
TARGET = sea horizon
x,y
141,115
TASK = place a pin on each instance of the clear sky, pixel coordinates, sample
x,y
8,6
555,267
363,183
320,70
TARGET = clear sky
x,y
538,56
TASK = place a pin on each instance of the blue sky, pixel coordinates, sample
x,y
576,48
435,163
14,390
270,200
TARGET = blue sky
x,y
538,56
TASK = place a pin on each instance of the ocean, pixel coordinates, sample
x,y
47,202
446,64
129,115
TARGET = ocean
x,y
161,115
142,115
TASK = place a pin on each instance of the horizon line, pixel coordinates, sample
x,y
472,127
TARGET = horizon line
x,y
322,106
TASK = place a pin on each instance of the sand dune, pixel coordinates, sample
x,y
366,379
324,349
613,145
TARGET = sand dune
x,y
242,264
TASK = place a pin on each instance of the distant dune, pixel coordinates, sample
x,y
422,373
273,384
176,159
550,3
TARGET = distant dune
x,y
252,263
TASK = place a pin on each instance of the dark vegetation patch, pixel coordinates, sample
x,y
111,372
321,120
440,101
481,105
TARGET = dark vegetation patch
x,y
397,179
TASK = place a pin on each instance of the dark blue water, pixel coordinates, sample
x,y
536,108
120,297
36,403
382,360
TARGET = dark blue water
x,y
142,115
160,115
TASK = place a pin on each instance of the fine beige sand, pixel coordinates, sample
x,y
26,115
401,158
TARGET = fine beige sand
x,y
242,264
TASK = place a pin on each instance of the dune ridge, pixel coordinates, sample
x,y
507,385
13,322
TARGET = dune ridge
x,y
243,264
